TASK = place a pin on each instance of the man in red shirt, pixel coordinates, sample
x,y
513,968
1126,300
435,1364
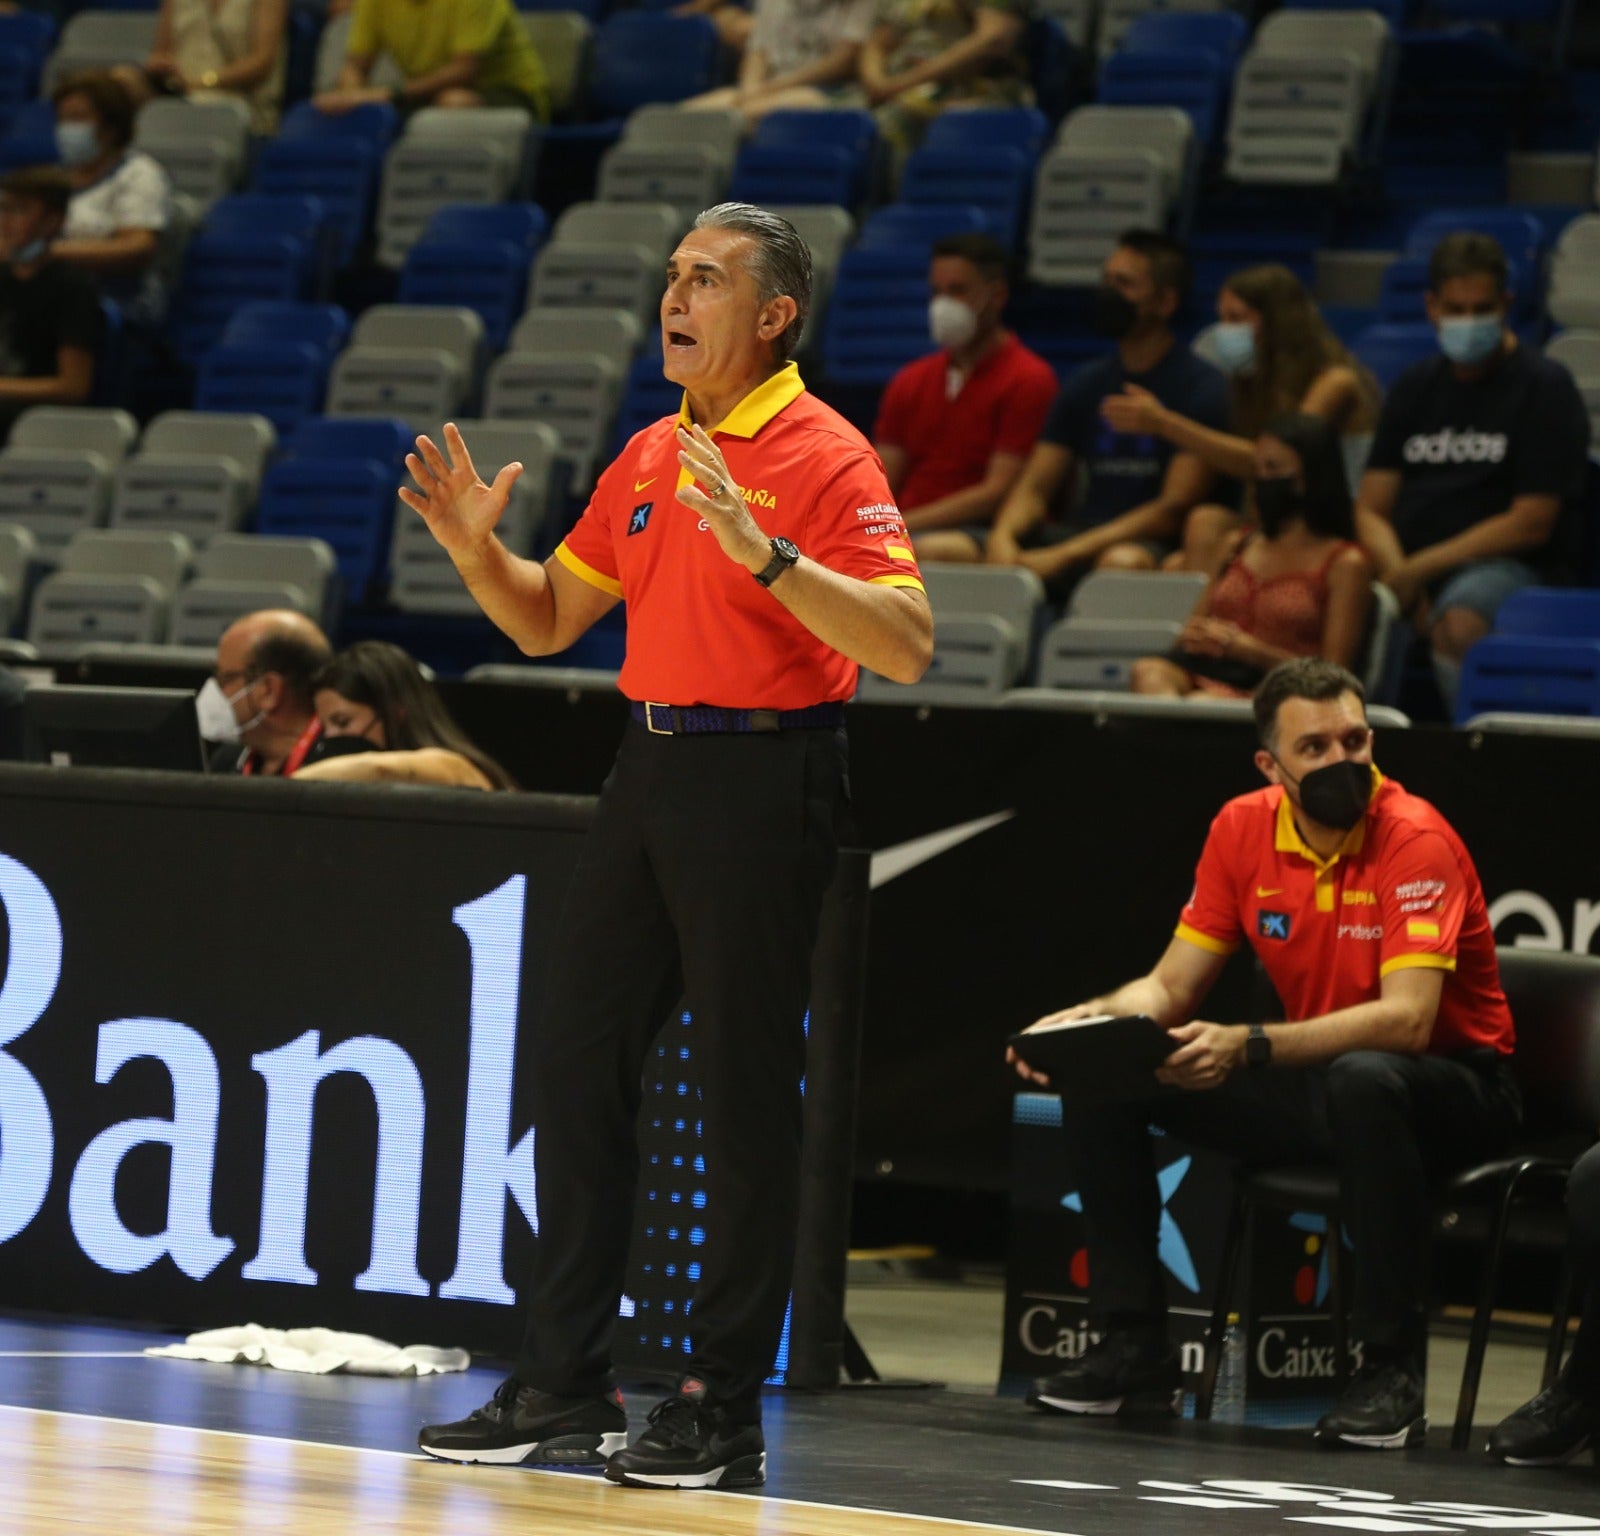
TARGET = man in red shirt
x,y
762,559
955,427
1392,1065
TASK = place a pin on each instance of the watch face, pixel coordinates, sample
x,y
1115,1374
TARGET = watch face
x,y
786,549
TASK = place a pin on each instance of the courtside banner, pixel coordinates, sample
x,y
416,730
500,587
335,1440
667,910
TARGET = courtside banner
x,y
259,1061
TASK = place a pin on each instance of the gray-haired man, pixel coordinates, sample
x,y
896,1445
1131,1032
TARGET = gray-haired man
x,y
762,559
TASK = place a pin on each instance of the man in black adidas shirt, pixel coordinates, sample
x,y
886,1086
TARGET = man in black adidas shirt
x,y
1477,468
50,316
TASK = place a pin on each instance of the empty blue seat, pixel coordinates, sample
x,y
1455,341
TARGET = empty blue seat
x,y
1390,348
1527,674
920,225
646,398
996,179
282,380
523,224
645,56
1196,81
337,481
252,246
1521,235
343,173
769,174
31,31
1224,33
489,277
324,326
1571,613
375,123
19,79
877,317
1024,128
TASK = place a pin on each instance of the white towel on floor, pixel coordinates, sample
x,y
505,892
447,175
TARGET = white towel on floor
x,y
315,1351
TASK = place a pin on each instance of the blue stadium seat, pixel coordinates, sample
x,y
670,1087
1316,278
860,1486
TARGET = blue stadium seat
x,y
376,123
31,31
997,180
1570,613
324,326
1024,128
30,137
644,56
251,246
489,277
1390,348
1223,33
523,224
337,482
342,172
917,226
1195,80
1521,235
19,79
646,398
282,380
1398,13
808,157
1529,674
877,317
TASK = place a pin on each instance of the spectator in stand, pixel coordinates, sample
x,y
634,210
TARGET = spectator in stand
x,y
1564,1419
257,703
955,427
453,53
1280,357
374,694
204,50
1477,469
926,55
800,54
1138,488
50,321
1300,586
121,200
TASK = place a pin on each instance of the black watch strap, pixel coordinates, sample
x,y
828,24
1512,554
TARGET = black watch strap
x,y
784,555
1258,1047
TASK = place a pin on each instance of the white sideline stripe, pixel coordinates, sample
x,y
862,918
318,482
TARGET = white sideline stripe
x,y
71,1354
418,1456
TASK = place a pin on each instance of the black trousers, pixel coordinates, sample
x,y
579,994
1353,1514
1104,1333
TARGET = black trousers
x,y
1390,1124
1583,1217
701,878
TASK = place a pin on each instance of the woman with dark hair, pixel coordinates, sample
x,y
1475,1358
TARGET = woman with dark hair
x,y
1300,586
1280,357
375,693
121,197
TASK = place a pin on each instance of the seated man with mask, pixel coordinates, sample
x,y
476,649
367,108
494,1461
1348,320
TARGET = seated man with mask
x,y
955,427
1391,1064
258,703
1477,470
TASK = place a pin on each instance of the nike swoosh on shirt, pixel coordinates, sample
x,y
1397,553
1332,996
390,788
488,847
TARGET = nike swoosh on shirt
x,y
1262,890
639,485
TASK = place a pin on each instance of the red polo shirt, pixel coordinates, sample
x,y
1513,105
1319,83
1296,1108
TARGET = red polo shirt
x,y
701,630
1001,407
1401,891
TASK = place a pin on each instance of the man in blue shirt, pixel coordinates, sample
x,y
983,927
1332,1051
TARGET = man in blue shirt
x,y
1137,489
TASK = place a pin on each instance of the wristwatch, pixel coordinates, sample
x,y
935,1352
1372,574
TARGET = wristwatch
x,y
784,555
1258,1047
208,80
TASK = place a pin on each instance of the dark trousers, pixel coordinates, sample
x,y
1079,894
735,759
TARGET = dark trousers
x,y
1390,1125
1583,1217
701,878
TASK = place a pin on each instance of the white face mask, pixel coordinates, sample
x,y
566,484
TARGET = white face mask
x,y
214,709
950,322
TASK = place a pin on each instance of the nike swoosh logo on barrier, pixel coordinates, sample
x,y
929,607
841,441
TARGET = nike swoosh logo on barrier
x,y
1262,891
639,485
890,863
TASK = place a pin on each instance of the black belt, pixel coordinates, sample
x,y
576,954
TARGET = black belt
x,y
705,719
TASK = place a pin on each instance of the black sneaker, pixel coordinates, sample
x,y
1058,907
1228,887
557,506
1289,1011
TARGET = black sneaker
x,y
522,1424
1381,1410
692,1443
1125,1372
1550,1429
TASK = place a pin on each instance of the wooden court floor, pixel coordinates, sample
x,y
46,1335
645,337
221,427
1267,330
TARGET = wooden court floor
x,y
63,1473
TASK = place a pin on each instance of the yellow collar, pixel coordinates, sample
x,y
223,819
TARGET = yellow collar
x,y
757,408
1287,838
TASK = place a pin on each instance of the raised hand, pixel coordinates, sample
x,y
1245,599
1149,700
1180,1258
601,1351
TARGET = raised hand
x,y
720,502
459,509
1134,412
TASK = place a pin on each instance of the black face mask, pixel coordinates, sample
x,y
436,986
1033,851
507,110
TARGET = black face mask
x,y
1111,314
1337,794
1278,501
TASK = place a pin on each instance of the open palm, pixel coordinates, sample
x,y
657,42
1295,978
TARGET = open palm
x,y
459,509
